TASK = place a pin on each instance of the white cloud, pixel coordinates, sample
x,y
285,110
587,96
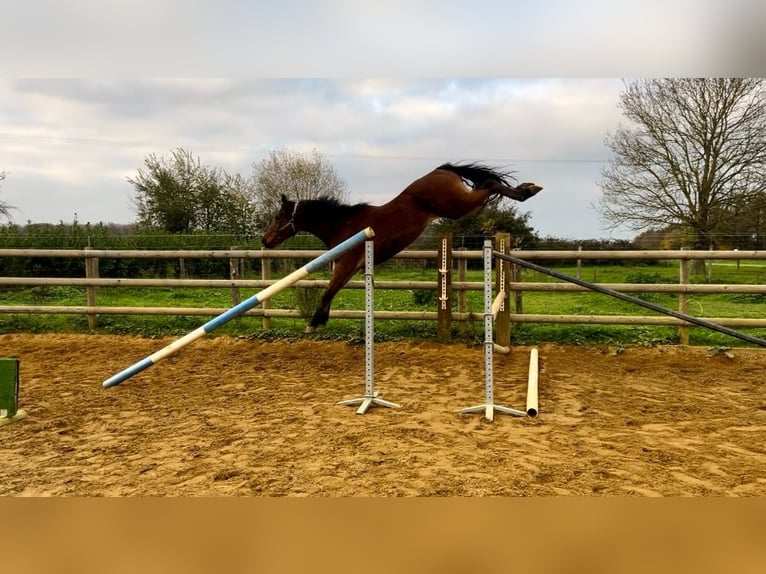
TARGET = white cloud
x,y
68,145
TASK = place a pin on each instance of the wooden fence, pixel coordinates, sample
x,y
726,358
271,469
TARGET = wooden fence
x,y
449,264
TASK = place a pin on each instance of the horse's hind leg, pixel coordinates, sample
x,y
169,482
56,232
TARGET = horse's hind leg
x,y
449,198
342,272
445,195
521,192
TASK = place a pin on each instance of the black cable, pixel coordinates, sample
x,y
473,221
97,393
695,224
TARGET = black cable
x,y
631,299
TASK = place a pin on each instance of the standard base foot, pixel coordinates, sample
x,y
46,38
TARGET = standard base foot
x,y
20,414
489,411
366,402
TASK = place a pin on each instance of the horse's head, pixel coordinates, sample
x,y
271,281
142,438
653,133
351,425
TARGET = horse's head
x,y
282,227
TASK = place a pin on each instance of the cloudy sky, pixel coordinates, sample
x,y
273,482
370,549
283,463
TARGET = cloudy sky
x,y
95,87
69,145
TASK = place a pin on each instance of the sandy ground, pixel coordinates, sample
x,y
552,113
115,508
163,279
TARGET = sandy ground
x,y
237,417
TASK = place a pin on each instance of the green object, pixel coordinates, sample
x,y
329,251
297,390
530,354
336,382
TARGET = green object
x,y
9,386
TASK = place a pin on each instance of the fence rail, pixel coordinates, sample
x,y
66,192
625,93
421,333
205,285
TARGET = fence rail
x,y
447,284
655,255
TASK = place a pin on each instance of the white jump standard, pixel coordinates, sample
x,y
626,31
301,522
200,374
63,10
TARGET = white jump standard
x,y
489,407
244,306
370,397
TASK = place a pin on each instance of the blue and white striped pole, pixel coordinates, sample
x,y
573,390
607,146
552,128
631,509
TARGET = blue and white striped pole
x,y
245,305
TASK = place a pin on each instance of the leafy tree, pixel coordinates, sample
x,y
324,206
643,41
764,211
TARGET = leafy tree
x,y
488,221
181,195
695,150
297,176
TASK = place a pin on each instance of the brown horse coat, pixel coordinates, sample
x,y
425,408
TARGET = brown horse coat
x,y
440,193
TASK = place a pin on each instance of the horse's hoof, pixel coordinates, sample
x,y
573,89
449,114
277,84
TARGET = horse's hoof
x,y
529,189
312,329
523,192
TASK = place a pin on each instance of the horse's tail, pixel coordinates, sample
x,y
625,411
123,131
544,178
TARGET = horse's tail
x,y
496,183
481,176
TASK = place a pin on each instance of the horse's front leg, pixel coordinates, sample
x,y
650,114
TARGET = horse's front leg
x,y
342,271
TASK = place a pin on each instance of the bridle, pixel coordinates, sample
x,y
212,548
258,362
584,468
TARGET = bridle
x,y
291,222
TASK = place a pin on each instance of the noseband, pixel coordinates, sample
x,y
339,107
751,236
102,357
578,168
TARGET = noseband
x,y
291,223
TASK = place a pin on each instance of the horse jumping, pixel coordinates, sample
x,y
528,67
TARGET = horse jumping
x,y
440,193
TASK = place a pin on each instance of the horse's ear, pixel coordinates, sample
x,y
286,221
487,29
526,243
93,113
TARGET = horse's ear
x,y
284,199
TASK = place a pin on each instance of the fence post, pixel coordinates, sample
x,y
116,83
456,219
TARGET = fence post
x,y
518,304
683,300
266,275
502,280
235,269
444,299
462,274
91,272
182,268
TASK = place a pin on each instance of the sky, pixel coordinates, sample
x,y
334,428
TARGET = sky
x,y
68,146
385,92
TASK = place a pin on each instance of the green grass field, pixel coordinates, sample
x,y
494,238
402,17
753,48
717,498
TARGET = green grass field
x,y
707,305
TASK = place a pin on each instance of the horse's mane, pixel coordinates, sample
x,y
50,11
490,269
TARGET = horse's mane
x,y
479,174
326,206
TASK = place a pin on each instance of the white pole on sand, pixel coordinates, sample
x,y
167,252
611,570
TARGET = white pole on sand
x,y
532,383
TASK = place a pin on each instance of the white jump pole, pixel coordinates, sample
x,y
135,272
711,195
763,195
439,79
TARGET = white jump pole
x,y
489,407
532,383
370,396
245,305
497,305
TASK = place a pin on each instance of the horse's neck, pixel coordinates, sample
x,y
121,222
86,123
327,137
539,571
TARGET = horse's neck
x,y
328,231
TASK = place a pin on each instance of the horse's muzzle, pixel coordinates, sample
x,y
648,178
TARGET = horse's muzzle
x,y
268,241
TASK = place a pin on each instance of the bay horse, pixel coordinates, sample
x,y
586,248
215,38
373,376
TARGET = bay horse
x,y
440,193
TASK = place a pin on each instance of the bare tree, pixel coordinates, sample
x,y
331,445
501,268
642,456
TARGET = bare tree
x,y
295,175
695,151
5,209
